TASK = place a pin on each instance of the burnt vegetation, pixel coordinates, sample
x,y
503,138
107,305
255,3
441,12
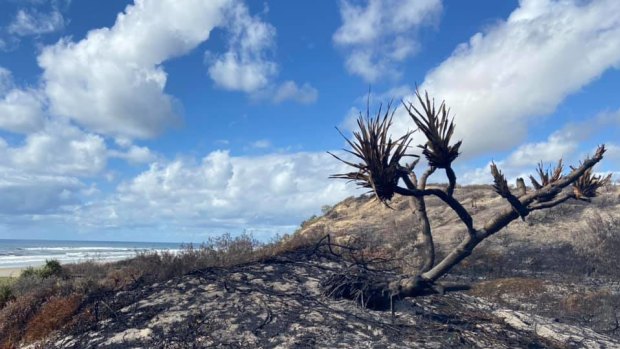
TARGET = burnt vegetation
x,y
74,298
380,165
378,264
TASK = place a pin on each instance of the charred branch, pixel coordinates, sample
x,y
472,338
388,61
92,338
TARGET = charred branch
x,y
379,170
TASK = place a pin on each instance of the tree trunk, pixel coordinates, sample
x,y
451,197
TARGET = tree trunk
x,y
419,208
521,189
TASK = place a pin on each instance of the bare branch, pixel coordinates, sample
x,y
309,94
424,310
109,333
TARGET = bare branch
x,y
379,169
554,188
548,204
429,171
454,204
451,180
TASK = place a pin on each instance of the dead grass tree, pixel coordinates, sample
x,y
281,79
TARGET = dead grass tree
x,y
379,168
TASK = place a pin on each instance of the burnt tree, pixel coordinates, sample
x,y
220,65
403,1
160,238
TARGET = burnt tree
x,y
379,166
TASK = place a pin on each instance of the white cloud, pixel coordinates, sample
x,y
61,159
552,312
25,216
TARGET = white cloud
x,y
134,154
227,192
245,66
261,144
27,194
522,68
289,90
58,149
40,176
6,80
33,22
613,153
112,81
562,144
381,34
21,111
557,146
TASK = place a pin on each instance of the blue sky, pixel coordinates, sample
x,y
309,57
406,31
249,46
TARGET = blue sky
x,y
167,120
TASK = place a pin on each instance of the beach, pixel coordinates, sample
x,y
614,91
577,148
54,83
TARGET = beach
x,y
10,272
15,255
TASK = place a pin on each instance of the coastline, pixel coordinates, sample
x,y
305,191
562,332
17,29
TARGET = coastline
x,y
10,272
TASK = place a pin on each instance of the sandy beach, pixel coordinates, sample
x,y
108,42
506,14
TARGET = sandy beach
x,y
12,272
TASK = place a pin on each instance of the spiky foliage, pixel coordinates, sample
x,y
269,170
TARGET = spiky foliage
x,y
587,185
438,129
379,168
499,181
501,187
546,175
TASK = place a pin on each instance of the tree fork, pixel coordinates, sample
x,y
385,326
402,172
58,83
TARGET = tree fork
x,y
380,170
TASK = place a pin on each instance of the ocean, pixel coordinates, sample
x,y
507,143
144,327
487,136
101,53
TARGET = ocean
x,y
26,253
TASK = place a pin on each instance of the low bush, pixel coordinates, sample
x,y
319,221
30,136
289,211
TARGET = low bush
x,y
14,318
517,287
51,268
599,244
52,316
46,299
599,309
6,294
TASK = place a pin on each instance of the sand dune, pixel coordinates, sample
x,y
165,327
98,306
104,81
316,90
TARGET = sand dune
x,y
12,272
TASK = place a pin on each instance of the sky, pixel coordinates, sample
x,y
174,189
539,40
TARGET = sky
x,y
177,120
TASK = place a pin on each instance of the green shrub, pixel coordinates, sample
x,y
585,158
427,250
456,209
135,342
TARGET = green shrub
x,y
51,268
29,273
6,295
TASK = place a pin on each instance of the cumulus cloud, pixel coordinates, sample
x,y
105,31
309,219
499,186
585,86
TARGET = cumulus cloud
x,y
34,22
246,65
382,33
613,152
523,68
134,155
112,84
557,146
112,81
21,111
28,194
58,149
225,192
562,144
43,176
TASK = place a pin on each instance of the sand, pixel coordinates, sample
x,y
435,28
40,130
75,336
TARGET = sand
x,y
10,272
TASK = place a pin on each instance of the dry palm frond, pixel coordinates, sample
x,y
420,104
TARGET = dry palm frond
x,y
587,185
547,177
438,129
379,169
499,181
501,187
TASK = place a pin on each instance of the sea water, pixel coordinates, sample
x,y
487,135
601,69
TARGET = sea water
x,y
26,253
